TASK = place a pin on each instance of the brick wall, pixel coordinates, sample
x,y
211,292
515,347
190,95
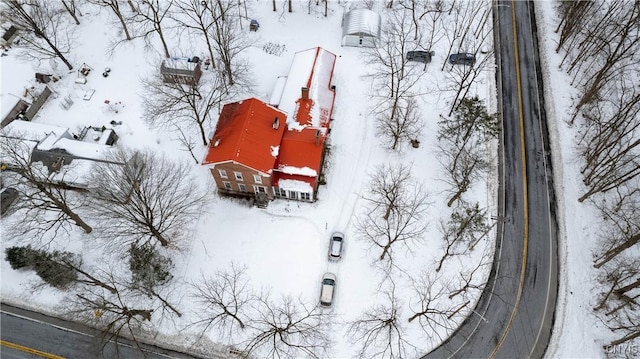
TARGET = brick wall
x,y
247,179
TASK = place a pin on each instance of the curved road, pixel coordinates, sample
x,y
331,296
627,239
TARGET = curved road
x,y
514,316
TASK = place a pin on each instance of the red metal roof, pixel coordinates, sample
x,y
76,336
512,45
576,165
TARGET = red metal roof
x,y
303,142
300,149
311,69
245,134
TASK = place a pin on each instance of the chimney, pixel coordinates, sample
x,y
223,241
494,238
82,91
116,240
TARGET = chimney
x,y
276,123
305,93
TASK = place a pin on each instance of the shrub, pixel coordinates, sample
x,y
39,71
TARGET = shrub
x,y
20,257
148,267
50,267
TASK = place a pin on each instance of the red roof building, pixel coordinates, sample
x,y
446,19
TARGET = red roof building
x,y
307,97
243,150
277,152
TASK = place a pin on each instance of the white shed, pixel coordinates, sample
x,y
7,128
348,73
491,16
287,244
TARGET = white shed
x,y
360,27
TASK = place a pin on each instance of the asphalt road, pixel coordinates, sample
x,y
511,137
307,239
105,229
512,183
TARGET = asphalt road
x,y
26,334
514,316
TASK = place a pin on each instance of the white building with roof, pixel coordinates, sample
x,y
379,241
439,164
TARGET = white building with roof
x,y
361,28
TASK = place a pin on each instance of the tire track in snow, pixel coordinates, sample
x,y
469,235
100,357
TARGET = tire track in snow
x,y
362,161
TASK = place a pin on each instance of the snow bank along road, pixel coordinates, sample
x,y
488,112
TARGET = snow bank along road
x,y
514,316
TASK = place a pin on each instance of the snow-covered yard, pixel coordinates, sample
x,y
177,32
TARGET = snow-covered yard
x,y
284,247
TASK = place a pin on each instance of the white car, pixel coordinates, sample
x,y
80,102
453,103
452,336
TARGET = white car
x,y
336,245
327,289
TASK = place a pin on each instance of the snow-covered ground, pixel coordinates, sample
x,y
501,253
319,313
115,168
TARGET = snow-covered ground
x,y
284,247
577,333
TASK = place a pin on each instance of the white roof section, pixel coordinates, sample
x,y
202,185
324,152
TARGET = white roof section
x,y
295,185
7,101
76,148
312,68
304,171
34,131
278,88
361,22
75,173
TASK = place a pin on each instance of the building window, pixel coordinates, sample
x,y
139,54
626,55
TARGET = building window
x,y
279,192
293,194
257,178
223,173
259,189
305,196
242,187
227,185
238,176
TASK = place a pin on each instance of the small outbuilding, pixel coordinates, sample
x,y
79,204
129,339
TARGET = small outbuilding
x,y
361,28
181,70
9,35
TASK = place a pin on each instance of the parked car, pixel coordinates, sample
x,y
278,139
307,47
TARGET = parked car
x,y
336,244
7,197
419,56
327,290
463,58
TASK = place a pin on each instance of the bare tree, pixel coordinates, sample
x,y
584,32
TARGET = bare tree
x,y
468,16
114,6
412,7
573,14
195,15
116,314
401,123
72,8
120,307
146,197
460,28
49,206
289,328
379,332
224,300
426,33
620,227
229,41
619,45
431,305
462,167
466,227
618,301
472,281
395,108
188,141
609,140
150,18
463,77
171,105
395,211
45,33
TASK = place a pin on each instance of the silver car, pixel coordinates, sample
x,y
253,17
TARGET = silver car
x,y
336,245
327,290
